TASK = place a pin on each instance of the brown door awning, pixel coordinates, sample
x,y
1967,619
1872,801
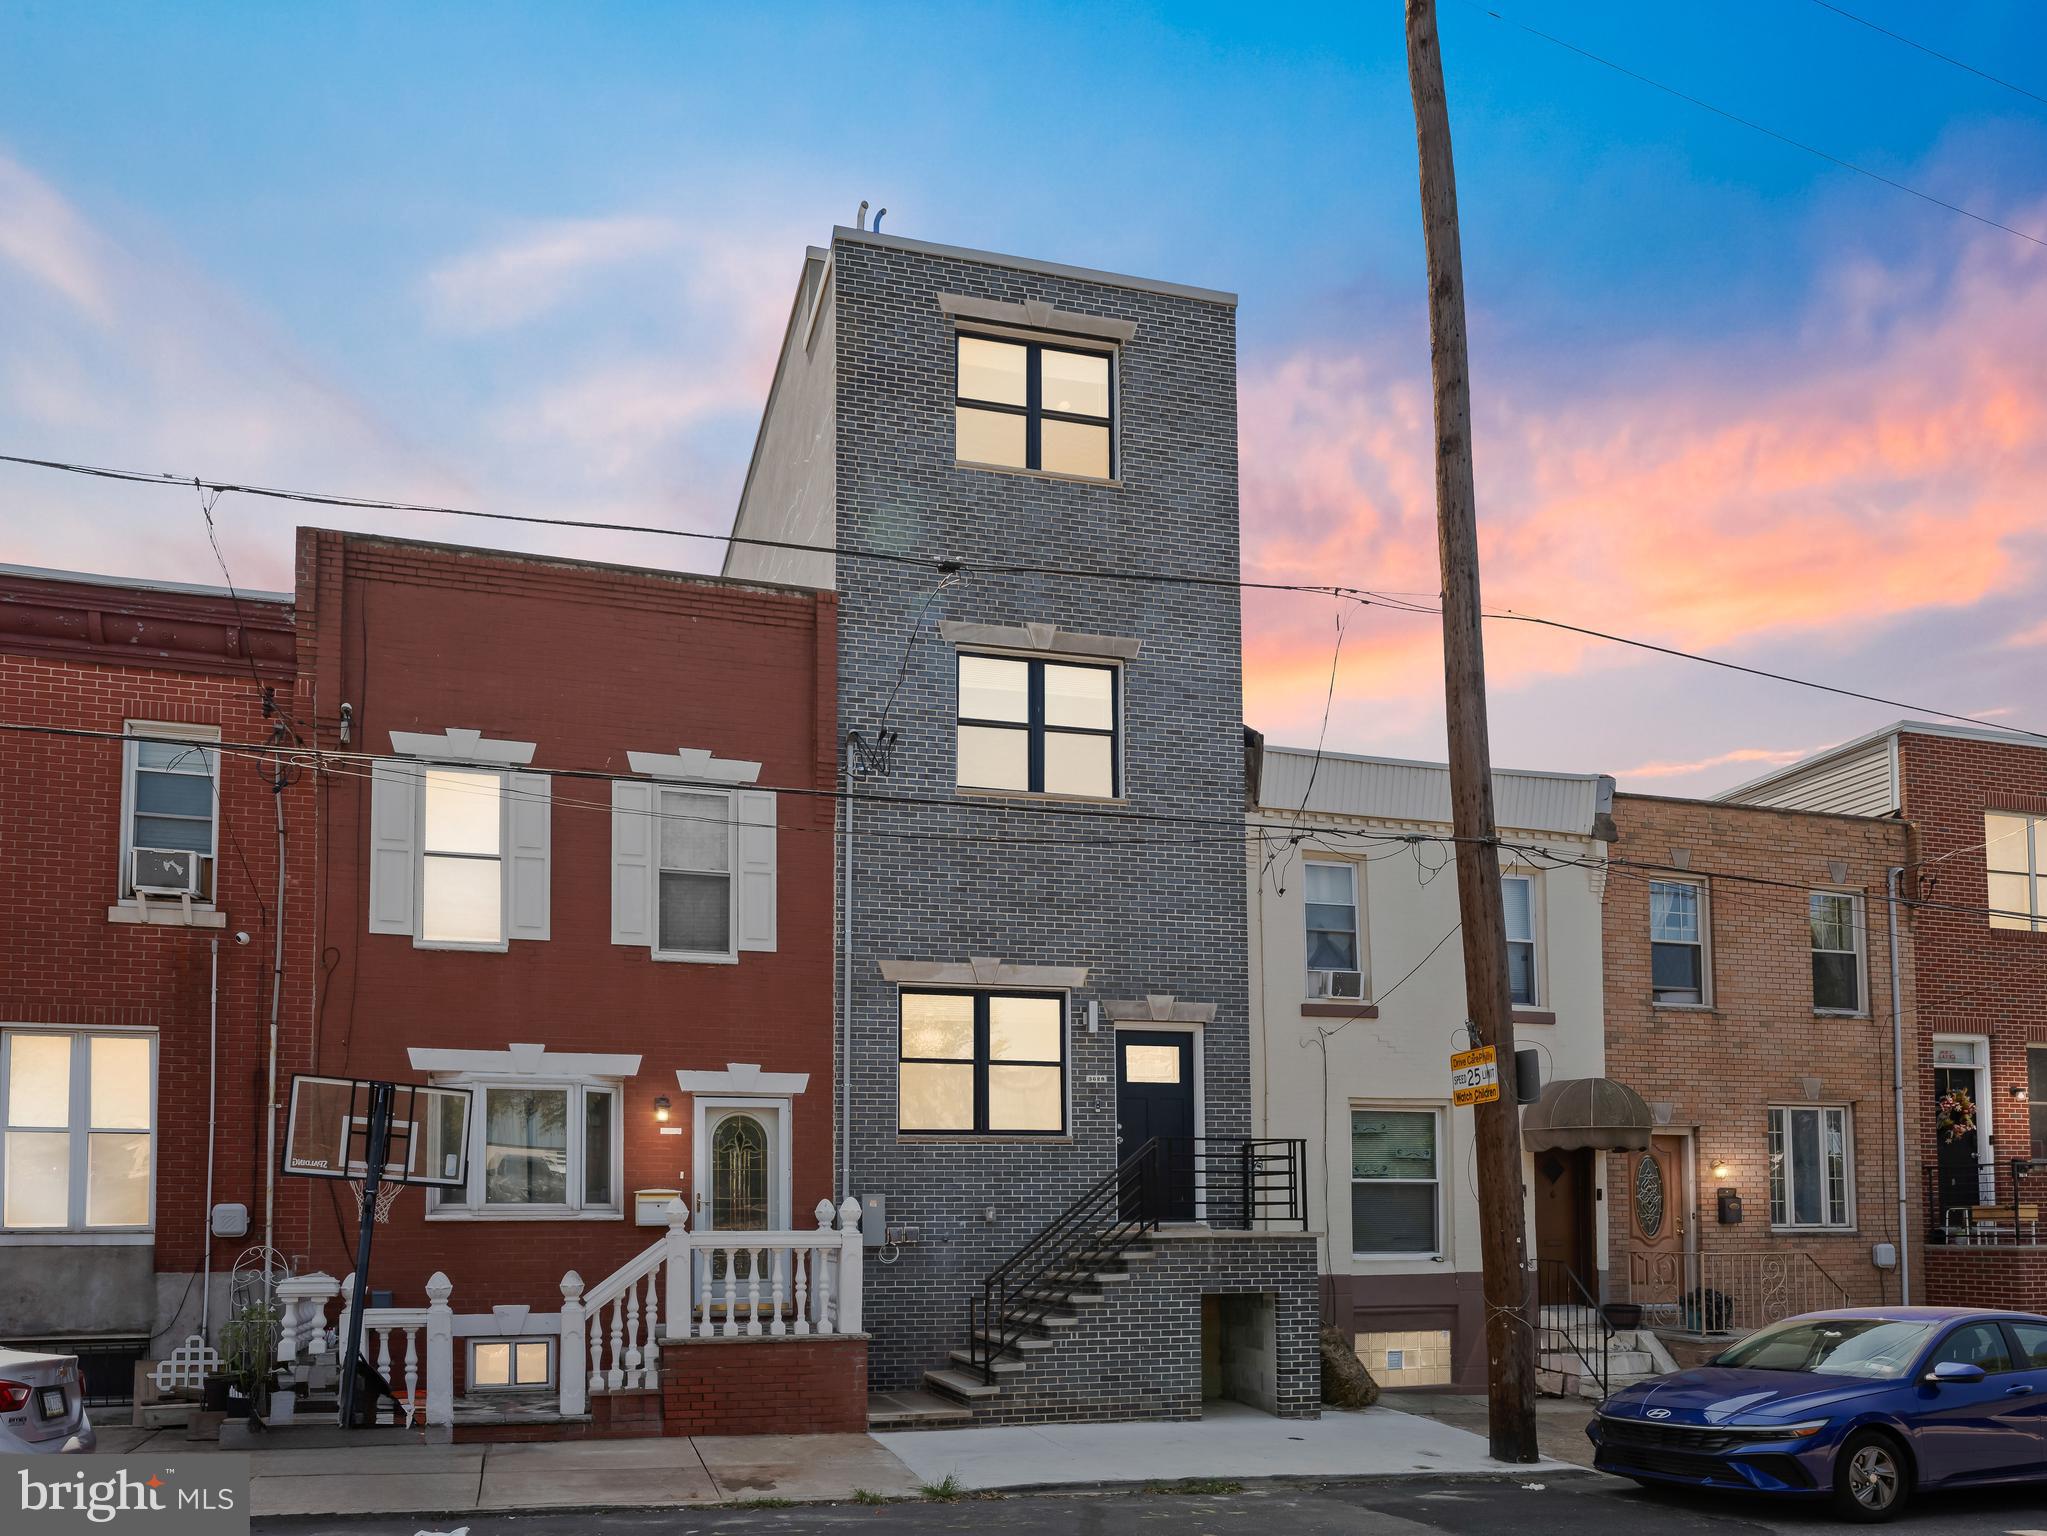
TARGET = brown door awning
x,y
1576,1112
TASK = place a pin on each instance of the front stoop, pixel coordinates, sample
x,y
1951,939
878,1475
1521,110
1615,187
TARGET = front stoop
x,y
915,1410
810,1384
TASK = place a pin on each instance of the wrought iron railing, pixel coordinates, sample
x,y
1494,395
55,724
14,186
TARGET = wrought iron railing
x,y
1975,1203
1570,1326
1730,1292
1233,1183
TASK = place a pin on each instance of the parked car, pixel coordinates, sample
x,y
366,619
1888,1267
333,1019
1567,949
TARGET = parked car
x,y
42,1404
1867,1407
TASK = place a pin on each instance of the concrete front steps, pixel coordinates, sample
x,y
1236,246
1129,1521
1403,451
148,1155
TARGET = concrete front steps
x,y
1045,1314
1633,1354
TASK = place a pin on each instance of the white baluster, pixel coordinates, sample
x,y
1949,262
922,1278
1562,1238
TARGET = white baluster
x,y
596,1381
703,1289
753,1293
798,1262
614,1377
383,1351
632,1333
574,1383
411,1372
650,1357
775,1323
731,1290
821,1276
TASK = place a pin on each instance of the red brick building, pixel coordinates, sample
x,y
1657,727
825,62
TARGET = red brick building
x,y
1976,881
135,1016
1748,1000
582,867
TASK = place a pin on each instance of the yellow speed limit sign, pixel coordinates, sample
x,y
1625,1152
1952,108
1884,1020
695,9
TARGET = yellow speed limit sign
x,y
1474,1076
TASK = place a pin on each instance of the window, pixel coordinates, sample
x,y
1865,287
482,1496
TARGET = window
x,y
1836,951
79,1146
501,1364
462,872
172,805
1677,941
1518,892
695,874
541,1149
1037,727
2015,858
1026,405
1333,965
1395,1194
2031,1339
1809,1167
1978,1344
991,1063
2036,1098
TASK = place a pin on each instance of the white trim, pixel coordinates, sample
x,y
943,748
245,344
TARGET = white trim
x,y
1537,932
575,1173
1033,639
695,764
196,913
78,1130
421,853
1038,317
981,971
513,1341
456,745
1357,932
730,954
1705,890
779,1216
525,1061
1439,1116
168,913
1861,951
743,1077
1986,1167
1790,1224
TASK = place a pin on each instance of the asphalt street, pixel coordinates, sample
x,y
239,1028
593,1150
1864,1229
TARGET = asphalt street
x,y
1574,1504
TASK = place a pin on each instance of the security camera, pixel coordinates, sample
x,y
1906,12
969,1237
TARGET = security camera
x,y
241,935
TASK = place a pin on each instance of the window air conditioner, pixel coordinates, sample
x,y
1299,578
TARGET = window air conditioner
x,y
1336,984
165,872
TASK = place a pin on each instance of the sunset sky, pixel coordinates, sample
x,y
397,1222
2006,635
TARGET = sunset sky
x,y
535,258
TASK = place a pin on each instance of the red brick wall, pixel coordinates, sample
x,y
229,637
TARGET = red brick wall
x,y
589,662
1988,1277
1973,979
764,1386
1720,1069
63,962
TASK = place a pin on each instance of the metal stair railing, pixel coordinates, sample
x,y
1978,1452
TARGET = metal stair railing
x,y
1104,1220
1580,1327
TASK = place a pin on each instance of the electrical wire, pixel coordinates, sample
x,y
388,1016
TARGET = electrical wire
x,y
1945,58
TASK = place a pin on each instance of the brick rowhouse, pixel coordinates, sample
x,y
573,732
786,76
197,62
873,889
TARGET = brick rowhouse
x,y
594,667
1755,1048
83,961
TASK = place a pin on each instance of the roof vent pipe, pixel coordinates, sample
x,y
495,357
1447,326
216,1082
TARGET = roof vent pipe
x,y
860,221
877,220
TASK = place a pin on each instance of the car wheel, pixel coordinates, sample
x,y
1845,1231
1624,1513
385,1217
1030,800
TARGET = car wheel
x,y
1872,1481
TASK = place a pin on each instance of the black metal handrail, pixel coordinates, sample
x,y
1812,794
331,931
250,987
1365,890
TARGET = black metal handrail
x,y
1234,1183
1102,1222
1986,1201
1583,1328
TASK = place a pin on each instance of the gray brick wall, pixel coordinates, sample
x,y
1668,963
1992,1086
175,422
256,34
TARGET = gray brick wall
x,y
1147,908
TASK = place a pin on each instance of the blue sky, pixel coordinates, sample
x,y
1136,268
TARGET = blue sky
x,y
535,257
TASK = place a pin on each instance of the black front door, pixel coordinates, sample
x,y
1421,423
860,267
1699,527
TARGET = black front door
x,y
1959,1182
1155,1102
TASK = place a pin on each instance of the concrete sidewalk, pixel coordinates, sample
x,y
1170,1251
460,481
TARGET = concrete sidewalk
x,y
1228,1441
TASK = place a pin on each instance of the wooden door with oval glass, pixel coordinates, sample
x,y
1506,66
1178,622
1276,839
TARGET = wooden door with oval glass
x,y
742,1183
1659,1223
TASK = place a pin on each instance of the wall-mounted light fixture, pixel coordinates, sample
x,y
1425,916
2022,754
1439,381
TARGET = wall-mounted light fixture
x,y
661,1108
2018,1091
1719,1167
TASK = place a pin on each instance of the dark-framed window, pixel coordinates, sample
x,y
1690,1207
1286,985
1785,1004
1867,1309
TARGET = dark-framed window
x,y
973,1063
1038,727
1031,405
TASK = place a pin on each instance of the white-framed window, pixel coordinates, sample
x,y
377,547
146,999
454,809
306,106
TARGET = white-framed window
x,y
1396,1187
1811,1162
510,1365
1336,965
78,1151
2015,864
1038,727
540,1149
1679,965
459,848
1837,970
170,801
1524,947
696,915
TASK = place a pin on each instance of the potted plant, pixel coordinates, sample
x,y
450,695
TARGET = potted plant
x,y
248,1355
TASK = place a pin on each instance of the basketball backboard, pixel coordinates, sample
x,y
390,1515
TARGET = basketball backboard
x,y
326,1134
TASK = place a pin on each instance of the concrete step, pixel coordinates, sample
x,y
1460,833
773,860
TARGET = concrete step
x,y
1060,1296
914,1409
1132,1255
1001,1365
1086,1277
1024,1343
1035,1317
962,1385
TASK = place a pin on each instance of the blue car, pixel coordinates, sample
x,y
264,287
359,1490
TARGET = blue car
x,y
1865,1407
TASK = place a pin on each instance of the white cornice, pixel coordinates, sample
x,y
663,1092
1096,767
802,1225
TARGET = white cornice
x,y
981,971
1158,1008
462,746
696,764
743,1077
524,1061
1038,637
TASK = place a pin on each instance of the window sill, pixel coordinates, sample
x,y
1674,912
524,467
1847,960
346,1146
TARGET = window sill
x,y
1339,1010
75,1238
513,1215
1776,1231
980,793
1840,1013
168,913
1113,483
980,1139
1398,1258
1534,1016
668,959
1705,1008
499,948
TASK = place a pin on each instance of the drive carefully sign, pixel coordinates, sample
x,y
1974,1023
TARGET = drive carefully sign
x,y
1474,1076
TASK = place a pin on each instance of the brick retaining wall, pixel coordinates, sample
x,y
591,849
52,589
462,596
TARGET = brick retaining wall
x,y
764,1386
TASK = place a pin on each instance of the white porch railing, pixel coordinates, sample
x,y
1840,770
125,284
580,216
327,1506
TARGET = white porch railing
x,y
407,1346
707,1285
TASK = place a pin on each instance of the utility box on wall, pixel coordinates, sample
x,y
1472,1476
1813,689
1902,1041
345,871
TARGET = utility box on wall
x,y
1730,1207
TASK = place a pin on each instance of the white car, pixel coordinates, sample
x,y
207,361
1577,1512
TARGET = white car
x,y
42,1404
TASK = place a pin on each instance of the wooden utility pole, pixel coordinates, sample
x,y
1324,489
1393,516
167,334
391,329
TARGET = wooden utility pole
x,y
1510,1340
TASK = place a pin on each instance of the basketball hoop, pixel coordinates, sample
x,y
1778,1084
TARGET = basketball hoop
x,y
388,1191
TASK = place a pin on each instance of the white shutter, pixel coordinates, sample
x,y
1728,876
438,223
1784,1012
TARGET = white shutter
x,y
531,824
394,849
754,810
632,862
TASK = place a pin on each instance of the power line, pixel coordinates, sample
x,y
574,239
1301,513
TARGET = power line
x,y
1945,58
1782,138
1363,596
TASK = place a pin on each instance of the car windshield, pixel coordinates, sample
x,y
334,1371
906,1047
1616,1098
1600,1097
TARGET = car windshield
x,y
1869,1347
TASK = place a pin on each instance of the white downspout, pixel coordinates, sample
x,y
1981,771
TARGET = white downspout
x,y
206,1212
276,992
1891,878
846,975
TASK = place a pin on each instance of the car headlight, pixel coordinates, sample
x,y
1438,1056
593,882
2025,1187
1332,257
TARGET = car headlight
x,y
1803,1431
